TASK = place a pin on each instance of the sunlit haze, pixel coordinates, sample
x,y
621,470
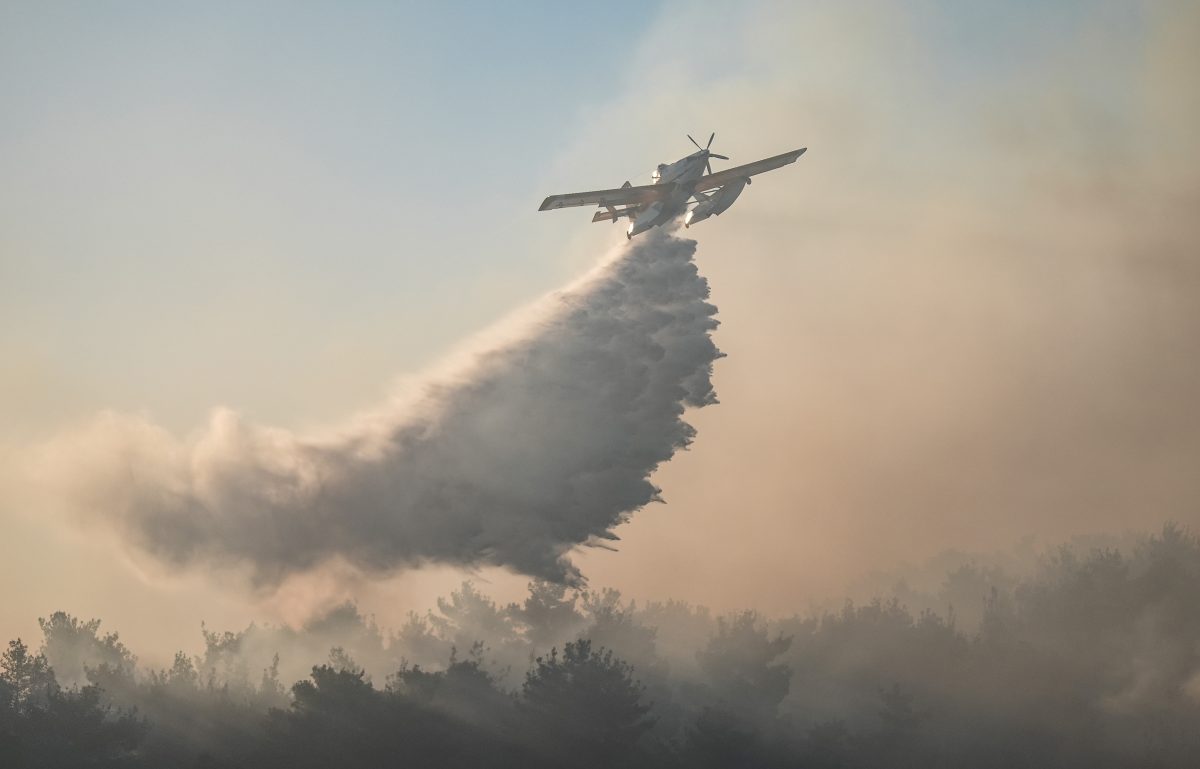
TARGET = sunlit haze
x,y
965,319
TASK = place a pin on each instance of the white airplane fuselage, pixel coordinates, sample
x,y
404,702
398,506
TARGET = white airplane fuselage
x,y
680,176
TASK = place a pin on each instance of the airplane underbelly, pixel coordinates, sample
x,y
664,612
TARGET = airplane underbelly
x,y
680,195
661,211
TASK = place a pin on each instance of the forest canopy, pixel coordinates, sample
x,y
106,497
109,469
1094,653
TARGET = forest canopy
x,y
1091,658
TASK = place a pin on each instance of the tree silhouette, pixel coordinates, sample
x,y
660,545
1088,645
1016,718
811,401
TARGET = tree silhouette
x,y
1089,658
76,729
468,616
43,725
741,665
28,679
718,738
585,706
79,654
547,615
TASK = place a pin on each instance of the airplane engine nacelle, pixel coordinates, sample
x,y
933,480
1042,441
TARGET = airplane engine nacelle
x,y
726,195
698,214
716,204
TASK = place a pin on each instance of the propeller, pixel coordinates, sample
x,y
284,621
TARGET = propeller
x,y
707,153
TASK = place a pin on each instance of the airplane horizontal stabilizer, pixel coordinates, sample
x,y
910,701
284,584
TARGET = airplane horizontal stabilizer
x,y
613,214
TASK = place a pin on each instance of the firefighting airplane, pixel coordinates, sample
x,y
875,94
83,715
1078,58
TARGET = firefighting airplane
x,y
675,187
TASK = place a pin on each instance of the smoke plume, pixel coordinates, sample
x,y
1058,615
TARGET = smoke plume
x,y
535,445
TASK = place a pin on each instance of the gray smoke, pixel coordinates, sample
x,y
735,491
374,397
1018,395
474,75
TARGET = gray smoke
x,y
538,444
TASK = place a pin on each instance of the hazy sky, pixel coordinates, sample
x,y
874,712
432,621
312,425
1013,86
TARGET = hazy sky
x,y
968,314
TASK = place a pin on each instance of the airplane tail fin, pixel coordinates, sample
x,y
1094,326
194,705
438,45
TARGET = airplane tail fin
x,y
626,184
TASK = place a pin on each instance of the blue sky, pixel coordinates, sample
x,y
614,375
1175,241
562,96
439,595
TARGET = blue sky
x,y
190,185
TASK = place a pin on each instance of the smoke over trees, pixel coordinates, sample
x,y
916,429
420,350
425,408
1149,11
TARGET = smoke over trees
x,y
1090,658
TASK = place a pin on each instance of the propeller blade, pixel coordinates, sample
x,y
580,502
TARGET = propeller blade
x,y
715,155
693,141
710,138
708,166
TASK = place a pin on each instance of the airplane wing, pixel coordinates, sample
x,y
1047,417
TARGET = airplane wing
x,y
712,181
622,196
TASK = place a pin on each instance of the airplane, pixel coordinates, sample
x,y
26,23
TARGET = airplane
x,y
676,185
